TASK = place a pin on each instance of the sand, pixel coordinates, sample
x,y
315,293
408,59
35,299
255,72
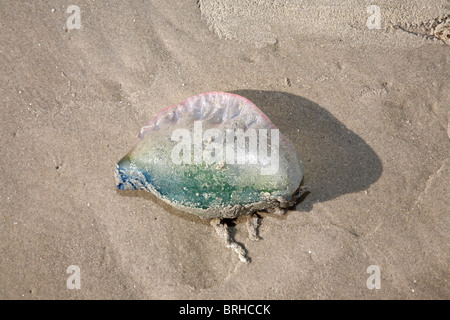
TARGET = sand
x,y
367,109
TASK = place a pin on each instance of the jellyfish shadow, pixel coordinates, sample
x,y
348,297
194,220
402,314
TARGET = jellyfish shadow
x,y
337,161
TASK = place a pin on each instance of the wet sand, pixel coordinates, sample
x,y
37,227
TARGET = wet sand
x,y
367,109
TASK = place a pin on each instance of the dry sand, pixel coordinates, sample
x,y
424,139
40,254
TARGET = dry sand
x,y
367,109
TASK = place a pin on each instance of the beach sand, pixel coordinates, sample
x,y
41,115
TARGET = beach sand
x,y
367,109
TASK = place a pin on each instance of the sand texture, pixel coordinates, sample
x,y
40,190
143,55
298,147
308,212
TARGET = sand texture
x,y
367,109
